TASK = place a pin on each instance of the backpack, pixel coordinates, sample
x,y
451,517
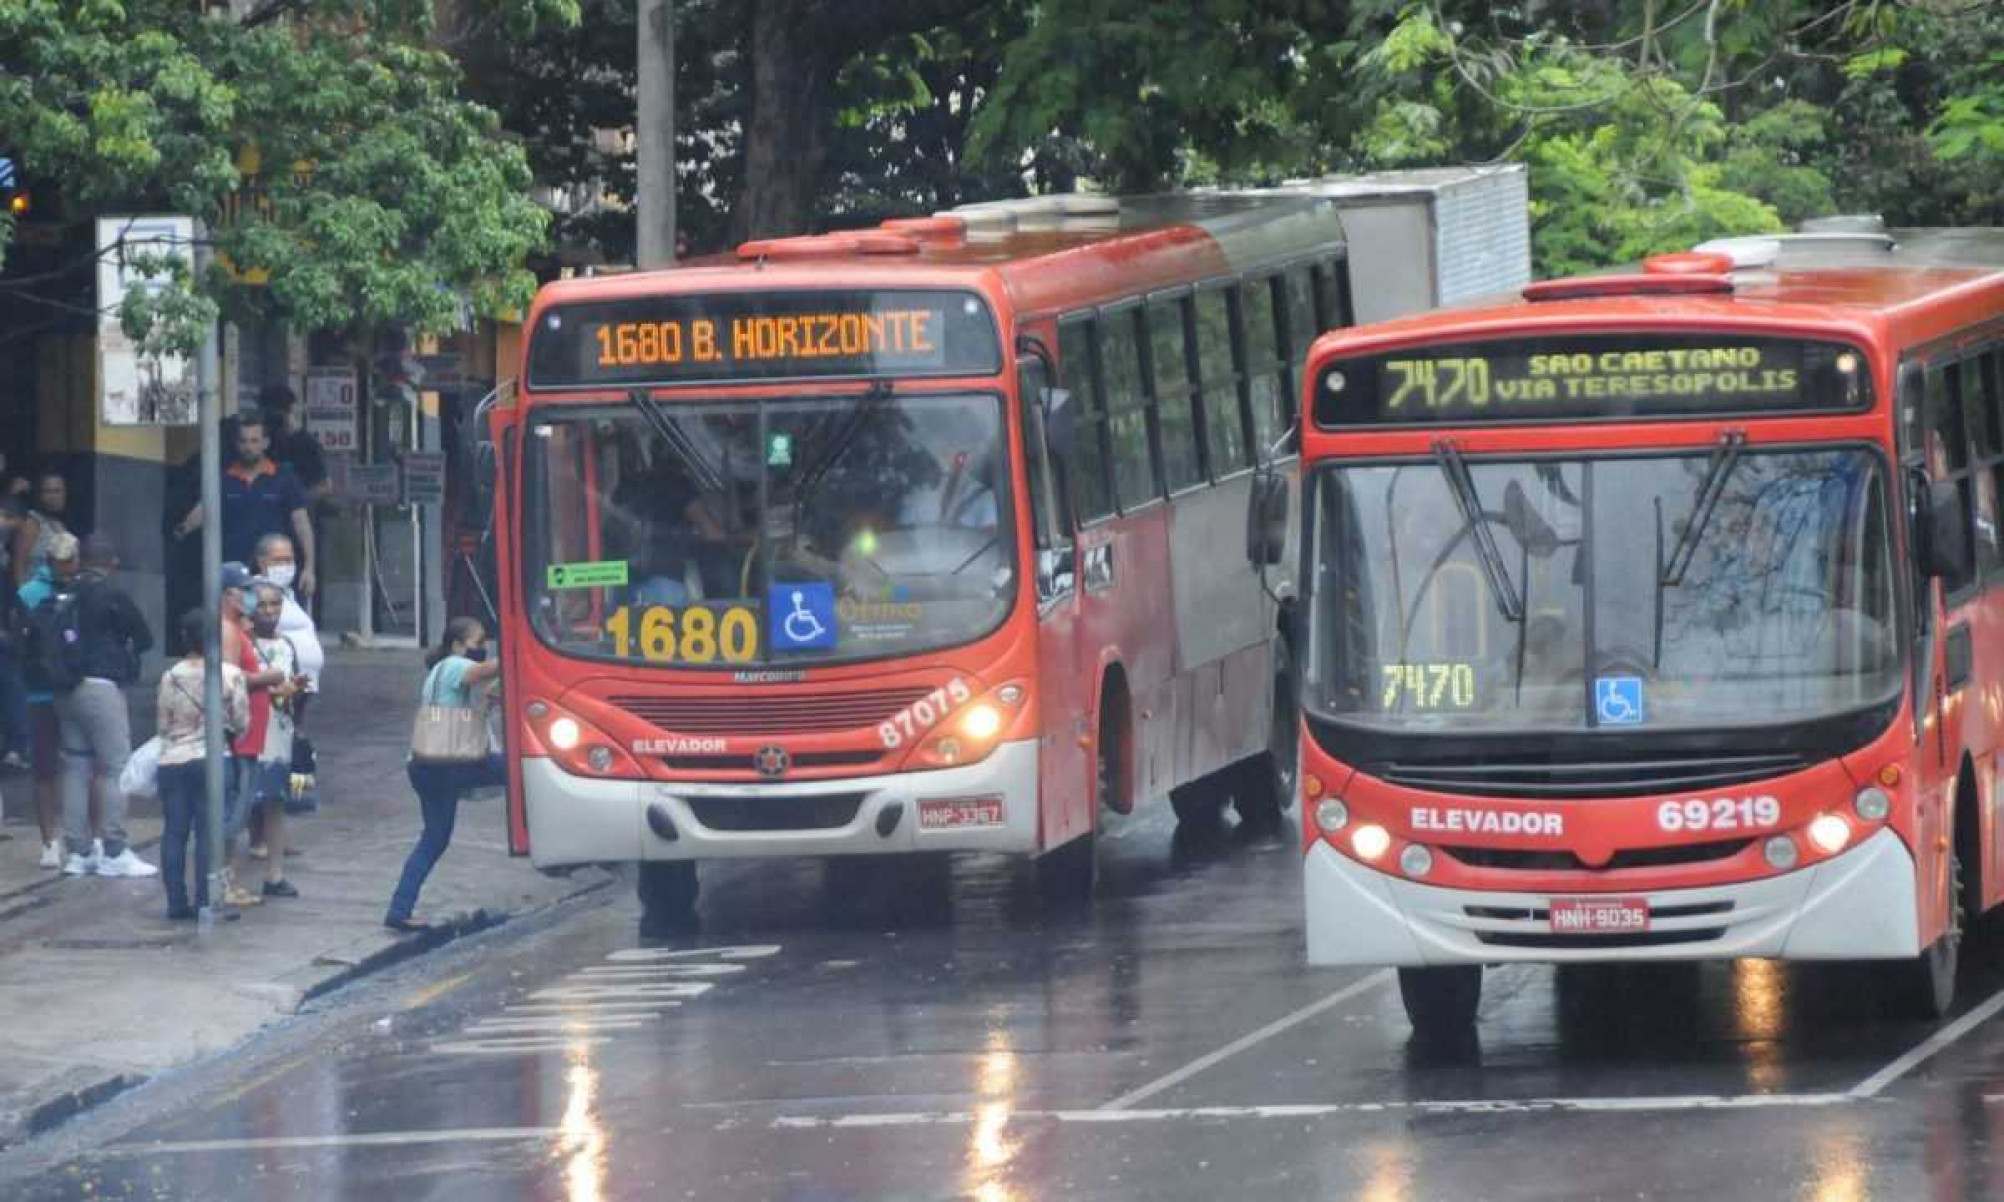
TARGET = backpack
x,y
51,643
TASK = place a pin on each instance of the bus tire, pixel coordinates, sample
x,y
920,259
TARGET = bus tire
x,y
1441,1001
667,891
1926,983
1265,785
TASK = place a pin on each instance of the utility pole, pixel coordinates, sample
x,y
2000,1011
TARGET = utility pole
x,y
215,755
654,128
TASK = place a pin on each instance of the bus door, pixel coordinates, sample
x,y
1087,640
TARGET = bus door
x,y
1061,682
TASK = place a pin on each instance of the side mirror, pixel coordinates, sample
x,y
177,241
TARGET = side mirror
x,y
1061,424
1945,549
1266,519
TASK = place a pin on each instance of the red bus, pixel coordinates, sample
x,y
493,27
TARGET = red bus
x,y
1645,618
805,551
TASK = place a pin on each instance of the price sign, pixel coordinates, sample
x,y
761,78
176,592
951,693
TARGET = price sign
x,y
331,407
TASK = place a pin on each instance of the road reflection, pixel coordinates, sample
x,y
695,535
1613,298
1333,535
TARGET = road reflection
x,y
582,1144
990,1148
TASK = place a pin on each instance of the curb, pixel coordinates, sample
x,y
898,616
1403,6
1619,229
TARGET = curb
x,y
48,1115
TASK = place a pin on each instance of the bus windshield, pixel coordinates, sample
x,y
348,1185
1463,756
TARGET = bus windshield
x,y
794,531
1616,593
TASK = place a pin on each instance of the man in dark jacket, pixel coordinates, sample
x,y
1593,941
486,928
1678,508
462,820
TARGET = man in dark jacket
x,y
111,635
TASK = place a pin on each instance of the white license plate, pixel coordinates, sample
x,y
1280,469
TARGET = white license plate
x,y
1599,915
956,813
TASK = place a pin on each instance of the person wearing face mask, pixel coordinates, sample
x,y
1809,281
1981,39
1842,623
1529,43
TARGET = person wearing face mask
x,y
260,497
260,682
276,565
268,769
458,667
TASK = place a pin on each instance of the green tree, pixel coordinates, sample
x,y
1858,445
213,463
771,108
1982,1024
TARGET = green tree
x,y
385,196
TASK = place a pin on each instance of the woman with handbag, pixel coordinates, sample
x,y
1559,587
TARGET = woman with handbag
x,y
181,777
449,752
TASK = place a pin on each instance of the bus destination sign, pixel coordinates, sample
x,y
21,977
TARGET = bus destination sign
x,y
733,336
1589,377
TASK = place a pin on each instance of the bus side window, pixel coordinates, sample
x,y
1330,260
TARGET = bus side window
x,y
1979,410
1948,453
1224,416
1175,414
1126,407
1991,389
1298,292
1091,482
1261,340
1331,297
1030,386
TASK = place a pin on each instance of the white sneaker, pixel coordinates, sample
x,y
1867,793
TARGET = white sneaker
x,y
96,850
78,865
125,864
52,855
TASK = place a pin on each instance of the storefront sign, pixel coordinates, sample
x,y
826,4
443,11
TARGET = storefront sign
x,y
137,385
331,407
424,477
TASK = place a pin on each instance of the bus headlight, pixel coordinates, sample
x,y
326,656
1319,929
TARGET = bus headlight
x,y
1370,841
1416,860
1829,832
565,733
600,758
1331,815
1872,803
969,733
1780,852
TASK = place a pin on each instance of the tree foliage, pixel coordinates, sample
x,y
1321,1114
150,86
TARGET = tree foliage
x,y
383,195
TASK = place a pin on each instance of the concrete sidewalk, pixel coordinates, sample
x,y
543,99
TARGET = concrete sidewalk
x,y
98,991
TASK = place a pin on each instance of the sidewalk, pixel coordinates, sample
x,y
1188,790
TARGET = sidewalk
x,y
98,991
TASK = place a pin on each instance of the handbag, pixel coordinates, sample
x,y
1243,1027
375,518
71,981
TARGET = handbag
x,y
447,734
141,775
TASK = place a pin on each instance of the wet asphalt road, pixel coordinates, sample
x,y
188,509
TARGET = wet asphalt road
x,y
872,1033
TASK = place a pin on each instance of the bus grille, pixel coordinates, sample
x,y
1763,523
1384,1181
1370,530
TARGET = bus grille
x,y
808,812
801,759
768,713
1511,860
1577,942
1527,776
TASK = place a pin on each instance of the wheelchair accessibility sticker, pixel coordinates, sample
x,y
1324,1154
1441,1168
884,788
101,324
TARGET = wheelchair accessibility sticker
x,y
1618,700
801,616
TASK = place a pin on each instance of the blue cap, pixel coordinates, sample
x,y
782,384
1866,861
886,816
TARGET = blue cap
x,y
236,575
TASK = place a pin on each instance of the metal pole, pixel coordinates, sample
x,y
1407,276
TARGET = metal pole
x,y
654,127
214,751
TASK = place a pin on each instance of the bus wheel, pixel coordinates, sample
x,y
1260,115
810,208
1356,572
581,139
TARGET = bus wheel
x,y
667,891
1440,1002
1265,785
1927,982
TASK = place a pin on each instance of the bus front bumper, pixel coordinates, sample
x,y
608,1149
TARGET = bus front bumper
x,y
579,820
1860,905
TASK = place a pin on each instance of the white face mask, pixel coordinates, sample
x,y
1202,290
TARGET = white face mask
x,y
281,574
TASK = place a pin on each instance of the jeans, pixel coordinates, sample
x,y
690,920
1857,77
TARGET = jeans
x,y
182,792
97,740
13,704
439,788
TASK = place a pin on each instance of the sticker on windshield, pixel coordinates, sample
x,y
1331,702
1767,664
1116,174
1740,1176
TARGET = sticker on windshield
x,y
1618,700
801,617
593,574
894,618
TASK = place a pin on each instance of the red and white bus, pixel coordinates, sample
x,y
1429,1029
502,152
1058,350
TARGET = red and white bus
x,y
1658,616
921,538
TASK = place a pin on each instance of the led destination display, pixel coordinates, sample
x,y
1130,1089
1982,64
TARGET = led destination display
x,y
1597,376
760,335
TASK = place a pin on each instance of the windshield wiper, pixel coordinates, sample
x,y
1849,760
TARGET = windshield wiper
x,y
706,476
1462,485
1710,489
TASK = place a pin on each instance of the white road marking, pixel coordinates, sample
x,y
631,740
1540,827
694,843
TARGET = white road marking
x,y
1927,1048
956,1118
1128,1099
364,1139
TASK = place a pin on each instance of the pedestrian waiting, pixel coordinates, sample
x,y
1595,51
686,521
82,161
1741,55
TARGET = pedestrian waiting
x,y
269,786
276,564
239,646
102,637
449,753
182,724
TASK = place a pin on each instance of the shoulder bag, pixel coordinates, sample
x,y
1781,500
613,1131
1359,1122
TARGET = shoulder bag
x,y
446,734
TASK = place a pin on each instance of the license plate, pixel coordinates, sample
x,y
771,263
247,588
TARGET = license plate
x,y
954,813
1599,915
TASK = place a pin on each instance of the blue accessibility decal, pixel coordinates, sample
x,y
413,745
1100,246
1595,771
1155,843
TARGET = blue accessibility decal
x,y
802,616
1618,700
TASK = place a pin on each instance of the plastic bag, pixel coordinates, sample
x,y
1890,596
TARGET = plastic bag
x,y
141,777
